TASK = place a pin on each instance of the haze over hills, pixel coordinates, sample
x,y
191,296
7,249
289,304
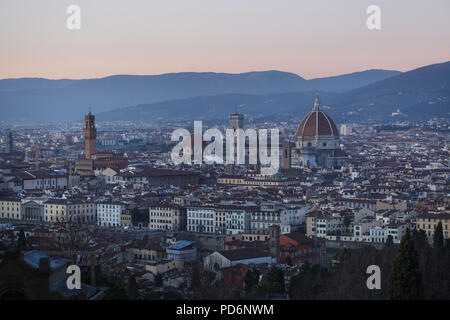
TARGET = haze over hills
x,y
374,94
349,81
20,84
219,107
419,94
422,92
31,99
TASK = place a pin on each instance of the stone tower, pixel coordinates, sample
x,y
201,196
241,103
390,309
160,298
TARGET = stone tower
x,y
89,134
236,121
286,156
274,242
9,143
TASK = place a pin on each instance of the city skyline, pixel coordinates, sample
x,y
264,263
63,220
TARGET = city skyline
x,y
225,156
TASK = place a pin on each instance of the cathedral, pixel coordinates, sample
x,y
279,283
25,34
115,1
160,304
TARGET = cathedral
x,y
317,140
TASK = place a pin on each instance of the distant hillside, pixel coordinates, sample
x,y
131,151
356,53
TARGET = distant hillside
x,y
31,99
219,107
22,84
349,81
419,93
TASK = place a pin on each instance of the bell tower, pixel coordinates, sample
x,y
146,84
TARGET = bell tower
x,y
89,134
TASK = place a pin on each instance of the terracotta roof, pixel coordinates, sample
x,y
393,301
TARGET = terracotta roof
x,y
317,123
245,253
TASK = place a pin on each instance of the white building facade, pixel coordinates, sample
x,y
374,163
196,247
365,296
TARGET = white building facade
x,y
108,213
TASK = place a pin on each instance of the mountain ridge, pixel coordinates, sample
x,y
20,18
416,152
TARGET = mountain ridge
x,y
49,100
424,91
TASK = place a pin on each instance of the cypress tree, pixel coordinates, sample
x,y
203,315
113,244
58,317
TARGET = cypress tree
x,y
289,260
21,240
196,282
438,240
405,280
389,241
158,280
251,279
132,288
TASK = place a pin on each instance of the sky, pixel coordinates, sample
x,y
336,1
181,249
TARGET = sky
x,y
312,38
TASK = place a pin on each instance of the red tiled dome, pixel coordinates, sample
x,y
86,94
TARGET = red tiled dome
x,y
317,122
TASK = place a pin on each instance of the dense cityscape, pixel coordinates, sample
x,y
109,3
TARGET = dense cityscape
x,y
224,159
106,197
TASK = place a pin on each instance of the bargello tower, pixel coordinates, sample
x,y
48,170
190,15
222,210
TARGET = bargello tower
x,y
89,134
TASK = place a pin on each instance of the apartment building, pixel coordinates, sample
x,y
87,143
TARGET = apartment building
x,y
167,217
429,222
42,179
292,216
182,250
361,229
301,249
109,213
269,214
78,211
326,224
201,219
237,218
125,219
220,220
10,208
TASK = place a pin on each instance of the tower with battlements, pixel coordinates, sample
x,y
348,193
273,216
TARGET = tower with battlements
x,y
89,134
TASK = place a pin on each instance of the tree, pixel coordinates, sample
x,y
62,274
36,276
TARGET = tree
x,y
276,277
139,216
419,235
289,260
309,283
158,280
209,285
21,240
347,221
195,283
251,279
389,241
438,240
115,292
271,283
132,288
405,280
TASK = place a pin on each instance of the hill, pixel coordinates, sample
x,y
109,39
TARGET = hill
x,y
56,100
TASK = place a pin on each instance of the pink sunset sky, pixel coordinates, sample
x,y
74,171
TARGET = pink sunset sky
x,y
310,38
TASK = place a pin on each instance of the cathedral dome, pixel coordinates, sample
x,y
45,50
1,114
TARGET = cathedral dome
x,y
317,123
